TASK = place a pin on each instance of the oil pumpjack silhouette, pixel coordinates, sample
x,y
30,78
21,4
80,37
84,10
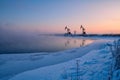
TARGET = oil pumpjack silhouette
x,y
69,32
83,30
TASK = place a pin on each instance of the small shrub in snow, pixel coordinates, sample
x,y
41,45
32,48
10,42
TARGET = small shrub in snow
x,y
115,50
116,54
64,74
116,75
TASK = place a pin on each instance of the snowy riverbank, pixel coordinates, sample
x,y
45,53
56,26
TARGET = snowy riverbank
x,y
93,66
93,63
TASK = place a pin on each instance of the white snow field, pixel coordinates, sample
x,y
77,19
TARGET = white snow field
x,y
90,62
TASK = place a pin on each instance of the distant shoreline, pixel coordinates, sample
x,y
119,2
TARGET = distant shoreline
x,y
89,35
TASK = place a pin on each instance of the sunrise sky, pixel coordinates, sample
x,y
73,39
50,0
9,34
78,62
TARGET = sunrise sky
x,y
51,16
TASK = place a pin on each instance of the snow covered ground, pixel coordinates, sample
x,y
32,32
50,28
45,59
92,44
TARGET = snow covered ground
x,y
91,62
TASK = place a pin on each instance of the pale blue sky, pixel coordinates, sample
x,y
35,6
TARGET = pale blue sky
x,y
53,15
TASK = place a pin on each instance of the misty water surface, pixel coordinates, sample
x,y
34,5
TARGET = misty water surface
x,y
39,43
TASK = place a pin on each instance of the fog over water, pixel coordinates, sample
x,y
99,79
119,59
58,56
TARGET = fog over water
x,y
18,41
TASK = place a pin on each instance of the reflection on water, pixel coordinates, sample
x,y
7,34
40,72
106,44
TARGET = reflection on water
x,y
77,42
82,43
40,44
